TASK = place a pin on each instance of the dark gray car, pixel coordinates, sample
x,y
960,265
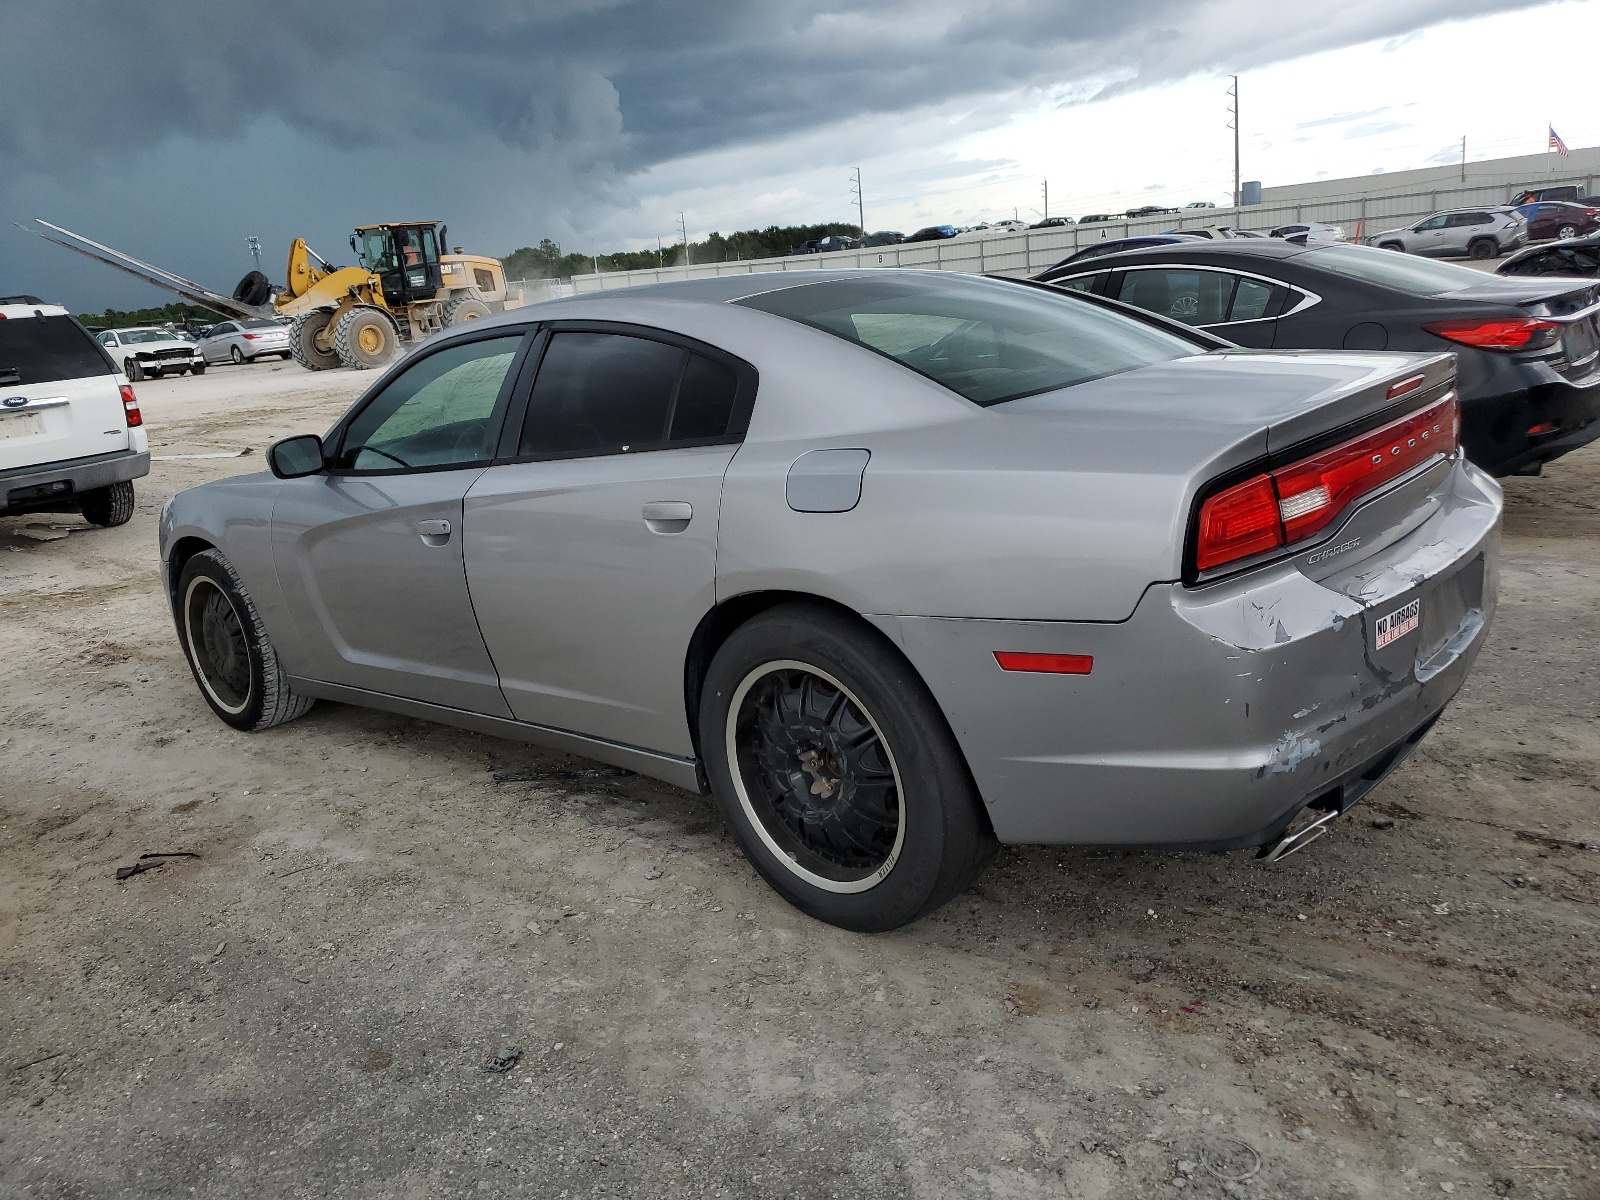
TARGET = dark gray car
x,y
898,565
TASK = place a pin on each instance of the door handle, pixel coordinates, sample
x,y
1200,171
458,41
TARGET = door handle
x,y
434,533
667,516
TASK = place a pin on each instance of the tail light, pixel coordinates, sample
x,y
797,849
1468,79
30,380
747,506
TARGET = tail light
x,y
1497,333
250,337
1281,507
130,407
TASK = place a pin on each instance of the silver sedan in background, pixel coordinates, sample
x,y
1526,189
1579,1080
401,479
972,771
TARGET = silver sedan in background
x,y
245,341
897,565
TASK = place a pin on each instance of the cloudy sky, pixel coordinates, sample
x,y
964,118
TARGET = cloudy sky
x,y
174,130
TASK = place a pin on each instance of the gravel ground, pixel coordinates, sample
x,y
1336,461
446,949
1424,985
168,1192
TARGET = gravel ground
x,y
380,905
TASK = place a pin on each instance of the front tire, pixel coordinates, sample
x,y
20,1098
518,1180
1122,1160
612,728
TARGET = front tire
x,y
307,340
109,506
1391,246
199,368
365,338
233,661
837,771
133,369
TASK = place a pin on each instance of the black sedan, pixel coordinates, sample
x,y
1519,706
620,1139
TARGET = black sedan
x,y
1527,349
1579,257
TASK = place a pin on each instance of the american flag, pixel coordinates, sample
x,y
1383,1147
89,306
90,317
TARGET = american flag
x,y
1556,143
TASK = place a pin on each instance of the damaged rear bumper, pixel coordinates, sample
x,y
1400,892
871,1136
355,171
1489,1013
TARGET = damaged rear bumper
x,y
1213,715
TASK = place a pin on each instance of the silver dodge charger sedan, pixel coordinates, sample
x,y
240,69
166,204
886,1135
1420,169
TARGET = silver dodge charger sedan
x,y
898,565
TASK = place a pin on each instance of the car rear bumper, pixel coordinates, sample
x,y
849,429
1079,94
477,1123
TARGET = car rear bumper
x,y
37,488
1495,429
1212,716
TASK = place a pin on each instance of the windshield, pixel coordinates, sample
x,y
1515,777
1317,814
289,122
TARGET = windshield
x,y
1403,272
377,251
987,340
146,335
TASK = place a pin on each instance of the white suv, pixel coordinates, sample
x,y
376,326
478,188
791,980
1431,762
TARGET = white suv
x,y
71,436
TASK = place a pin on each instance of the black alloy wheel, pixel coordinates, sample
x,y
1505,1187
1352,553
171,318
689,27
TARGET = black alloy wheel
x,y
232,658
837,770
819,776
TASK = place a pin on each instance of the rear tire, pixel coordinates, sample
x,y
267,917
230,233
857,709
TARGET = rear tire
x,y
464,308
1566,233
109,506
303,347
1484,248
235,355
229,652
365,338
837,771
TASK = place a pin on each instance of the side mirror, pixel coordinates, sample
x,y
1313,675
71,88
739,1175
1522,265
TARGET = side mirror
x,y
295,457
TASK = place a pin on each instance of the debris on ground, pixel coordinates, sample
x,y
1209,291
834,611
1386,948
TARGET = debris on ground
x,y
546,774
149,862
500,1063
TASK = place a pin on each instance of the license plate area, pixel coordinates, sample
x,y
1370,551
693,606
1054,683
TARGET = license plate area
x,y
1423,631
1581,343
20,425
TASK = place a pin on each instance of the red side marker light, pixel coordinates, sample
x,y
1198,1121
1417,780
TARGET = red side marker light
x,y
1046,664
1541,427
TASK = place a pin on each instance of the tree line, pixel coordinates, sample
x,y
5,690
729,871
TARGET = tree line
x,y
548,261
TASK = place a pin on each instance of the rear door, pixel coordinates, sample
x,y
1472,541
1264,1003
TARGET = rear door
x,y
59,397
591,550
369,554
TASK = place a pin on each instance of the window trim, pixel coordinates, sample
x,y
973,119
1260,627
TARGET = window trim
x,y
333,441
738,423
1308,298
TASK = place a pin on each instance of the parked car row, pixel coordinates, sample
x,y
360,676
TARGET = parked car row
x,y
1527,350
154,351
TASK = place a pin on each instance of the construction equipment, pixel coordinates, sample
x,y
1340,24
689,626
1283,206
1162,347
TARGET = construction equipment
x,y
404,290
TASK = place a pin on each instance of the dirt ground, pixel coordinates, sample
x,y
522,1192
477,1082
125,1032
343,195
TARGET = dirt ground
x,y
379,905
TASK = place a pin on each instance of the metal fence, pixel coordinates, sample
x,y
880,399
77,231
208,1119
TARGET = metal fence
x,y
1033,250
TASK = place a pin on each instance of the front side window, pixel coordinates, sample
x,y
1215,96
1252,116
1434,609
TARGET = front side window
x,y
1191,296
610,393
1431,223
985,339
436,414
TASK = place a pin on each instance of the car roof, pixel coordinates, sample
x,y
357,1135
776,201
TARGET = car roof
x,y
1197,250
40,309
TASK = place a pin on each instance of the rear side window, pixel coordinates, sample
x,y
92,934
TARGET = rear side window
x,y
984,339
1250,300
1473,218
609,393
47,349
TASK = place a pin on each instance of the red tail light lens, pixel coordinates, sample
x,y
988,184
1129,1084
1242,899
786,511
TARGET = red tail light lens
x,y
250,337
1496,333
1238,523
130,407
1294,502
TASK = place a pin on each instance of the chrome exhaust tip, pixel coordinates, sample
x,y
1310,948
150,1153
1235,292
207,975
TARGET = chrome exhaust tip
x,y
1298,837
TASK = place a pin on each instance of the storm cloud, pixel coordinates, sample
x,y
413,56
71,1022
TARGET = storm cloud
x,y
173,128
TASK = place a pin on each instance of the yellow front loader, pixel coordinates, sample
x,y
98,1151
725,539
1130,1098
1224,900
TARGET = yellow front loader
x,y
404,290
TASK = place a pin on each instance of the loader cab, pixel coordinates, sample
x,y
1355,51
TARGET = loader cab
x,y
405,257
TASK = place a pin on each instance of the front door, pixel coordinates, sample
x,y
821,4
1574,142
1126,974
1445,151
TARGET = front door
x,y
369,554
592,556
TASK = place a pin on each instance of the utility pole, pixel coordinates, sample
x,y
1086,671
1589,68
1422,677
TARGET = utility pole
x,y
1046,199
1463,158
683,227
661,257
861,214
1233,109
255,249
